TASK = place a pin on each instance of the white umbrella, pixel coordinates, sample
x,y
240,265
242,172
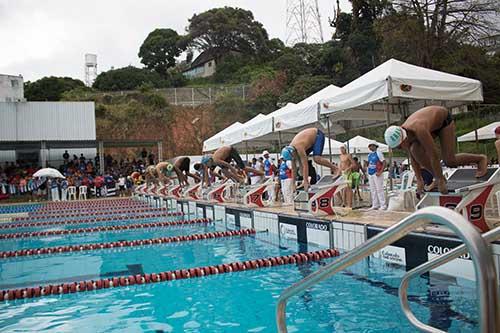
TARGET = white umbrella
x,y
48,173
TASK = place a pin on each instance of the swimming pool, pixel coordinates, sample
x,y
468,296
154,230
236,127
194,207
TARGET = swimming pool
x,y
361,299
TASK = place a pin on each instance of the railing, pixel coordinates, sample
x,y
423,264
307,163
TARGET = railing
x,y
476,245
489,237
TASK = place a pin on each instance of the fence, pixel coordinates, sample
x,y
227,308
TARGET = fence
x,y
194,96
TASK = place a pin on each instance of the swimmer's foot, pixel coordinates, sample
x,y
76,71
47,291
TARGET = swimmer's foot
x,y
482,167
442,186
430,187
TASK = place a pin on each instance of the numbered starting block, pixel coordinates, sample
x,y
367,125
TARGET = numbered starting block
x,y
162,190
140,189
222,193
260,194
319,201
175,191
466,194
194,192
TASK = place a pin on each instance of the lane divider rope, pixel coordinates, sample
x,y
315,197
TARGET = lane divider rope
x,y
93,212
89,220
101,228
121,244
123,281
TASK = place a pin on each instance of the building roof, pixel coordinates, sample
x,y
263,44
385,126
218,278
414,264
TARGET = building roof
x,y
202,58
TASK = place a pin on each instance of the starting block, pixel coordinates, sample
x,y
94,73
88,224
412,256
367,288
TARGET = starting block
x,y
319,201
222,193
140,189
255,194
175,191
194,192
466,195
162,190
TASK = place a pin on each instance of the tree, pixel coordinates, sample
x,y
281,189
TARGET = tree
x,y
50,88
304,87
159,50
227,30
128,78
438,24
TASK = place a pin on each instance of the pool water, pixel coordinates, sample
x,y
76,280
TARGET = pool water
x,y
360,299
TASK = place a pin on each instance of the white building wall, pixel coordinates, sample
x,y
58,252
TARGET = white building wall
x,y
34,121
11,88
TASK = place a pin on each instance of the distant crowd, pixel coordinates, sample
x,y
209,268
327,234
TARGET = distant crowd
x,y
16,178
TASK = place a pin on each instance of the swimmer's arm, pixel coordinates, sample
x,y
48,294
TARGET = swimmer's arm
x,y
205,176
427,142
194,176
224,164
417,169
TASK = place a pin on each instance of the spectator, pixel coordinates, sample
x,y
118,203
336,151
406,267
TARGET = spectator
x,y
66,157
285,175
121,185
64,190
151,158
376,166
144,154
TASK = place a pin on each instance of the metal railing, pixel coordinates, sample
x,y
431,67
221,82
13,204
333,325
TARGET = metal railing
x,y
476,245
489,237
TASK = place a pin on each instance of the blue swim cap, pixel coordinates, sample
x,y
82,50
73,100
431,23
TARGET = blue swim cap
x,y
205,159
287,153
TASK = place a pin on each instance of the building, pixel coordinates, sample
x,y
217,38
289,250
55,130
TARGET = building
x,y
26,127
11,88
202,66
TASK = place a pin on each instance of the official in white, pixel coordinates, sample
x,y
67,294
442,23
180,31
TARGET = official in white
x,y
376,166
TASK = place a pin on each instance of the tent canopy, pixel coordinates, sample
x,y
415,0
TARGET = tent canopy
x,y
305,112
214,142
403,85
484,133
359,144
335,147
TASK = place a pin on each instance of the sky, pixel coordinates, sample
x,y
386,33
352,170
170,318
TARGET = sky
x,y
51,37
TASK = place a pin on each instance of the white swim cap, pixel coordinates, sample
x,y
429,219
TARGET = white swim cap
x,y
394,135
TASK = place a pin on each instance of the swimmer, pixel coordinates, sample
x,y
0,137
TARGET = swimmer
x,y
222,158
310,140
416,136
165,171
151,175
181,169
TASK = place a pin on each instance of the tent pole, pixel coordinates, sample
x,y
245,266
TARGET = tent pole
x,y
475,109
388,119
246,149
279,139
329,139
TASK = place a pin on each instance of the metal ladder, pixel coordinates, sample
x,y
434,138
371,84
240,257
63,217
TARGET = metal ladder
x,y
474,243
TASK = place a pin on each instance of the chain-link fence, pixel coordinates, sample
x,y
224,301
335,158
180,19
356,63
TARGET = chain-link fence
x,y
194,96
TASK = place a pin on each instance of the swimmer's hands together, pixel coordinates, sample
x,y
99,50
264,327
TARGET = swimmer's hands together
x,y
442,186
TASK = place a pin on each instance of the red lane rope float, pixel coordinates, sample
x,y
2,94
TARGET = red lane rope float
x,y
84,212
89,285
88,220
121,244
102,228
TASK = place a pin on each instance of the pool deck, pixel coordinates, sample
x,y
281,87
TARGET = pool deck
x,y
361,216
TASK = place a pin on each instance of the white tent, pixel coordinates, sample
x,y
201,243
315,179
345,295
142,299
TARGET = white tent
x,y
359,145
484,133
335,145
395,84
238,134
306,112
215,141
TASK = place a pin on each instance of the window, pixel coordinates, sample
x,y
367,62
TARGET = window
x,y
14,83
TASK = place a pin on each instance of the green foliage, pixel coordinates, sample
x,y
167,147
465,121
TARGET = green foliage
x,y
159,50
305,86
50,88
225,30
128,78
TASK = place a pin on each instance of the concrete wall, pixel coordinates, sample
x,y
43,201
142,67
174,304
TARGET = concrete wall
x,y
11,88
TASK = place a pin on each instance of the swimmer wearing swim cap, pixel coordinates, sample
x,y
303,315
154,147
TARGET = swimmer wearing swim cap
x,y
417,135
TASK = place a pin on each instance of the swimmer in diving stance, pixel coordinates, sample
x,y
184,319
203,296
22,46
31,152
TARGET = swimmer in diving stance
x,y
180,167
306,142
222,158
417,135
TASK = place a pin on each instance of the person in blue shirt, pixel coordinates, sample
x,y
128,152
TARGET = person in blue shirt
x,y
285,174
376,166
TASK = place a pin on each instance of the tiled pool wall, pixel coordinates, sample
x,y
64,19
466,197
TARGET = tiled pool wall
x,y
410,251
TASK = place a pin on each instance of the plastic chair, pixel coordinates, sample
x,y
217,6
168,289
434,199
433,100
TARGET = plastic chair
x,y
72,193
82,192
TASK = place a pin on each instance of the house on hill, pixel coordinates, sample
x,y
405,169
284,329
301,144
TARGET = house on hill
x,y
202,66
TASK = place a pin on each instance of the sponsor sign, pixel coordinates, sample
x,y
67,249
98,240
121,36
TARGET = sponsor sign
x,y
461,267
288,231
393,255
230,221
